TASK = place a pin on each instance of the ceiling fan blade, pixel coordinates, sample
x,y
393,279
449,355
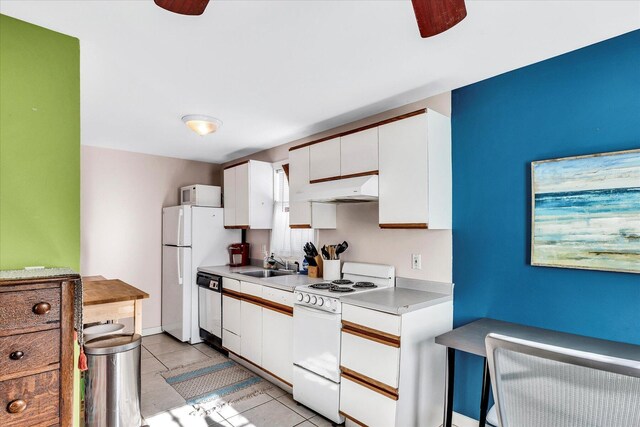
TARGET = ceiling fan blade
x,y
183,7
437,16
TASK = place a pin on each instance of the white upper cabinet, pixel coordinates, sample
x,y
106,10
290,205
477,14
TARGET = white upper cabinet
x,y
229,191
324,160
415,172
359,153
248,195
242,194
301,214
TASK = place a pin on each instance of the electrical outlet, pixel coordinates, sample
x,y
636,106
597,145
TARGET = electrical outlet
x,y
416,261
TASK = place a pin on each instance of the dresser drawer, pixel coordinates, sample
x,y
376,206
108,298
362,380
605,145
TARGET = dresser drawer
x,y
29,401
24,352
29,309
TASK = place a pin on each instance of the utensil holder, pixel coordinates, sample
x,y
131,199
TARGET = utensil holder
x,y
331,269
316,271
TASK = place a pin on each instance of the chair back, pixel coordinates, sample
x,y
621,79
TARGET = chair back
x,y
541,385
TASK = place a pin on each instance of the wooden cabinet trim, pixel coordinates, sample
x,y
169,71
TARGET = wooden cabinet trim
x,y
370,334
330,178
350,418
280,308
271,305
370,383
260,367
415,225
236,227
299,225
236,164
355,175
337,178
362,128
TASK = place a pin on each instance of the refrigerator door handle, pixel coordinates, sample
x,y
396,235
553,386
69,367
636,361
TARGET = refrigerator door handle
x,y
180,265
180,230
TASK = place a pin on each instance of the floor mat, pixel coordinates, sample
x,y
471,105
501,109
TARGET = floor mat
x,y
210,385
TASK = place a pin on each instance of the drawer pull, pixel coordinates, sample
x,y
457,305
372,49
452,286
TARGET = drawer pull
x,y
16,406
42,308
16,355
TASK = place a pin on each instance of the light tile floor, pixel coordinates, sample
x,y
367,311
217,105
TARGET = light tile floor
x,y
162,406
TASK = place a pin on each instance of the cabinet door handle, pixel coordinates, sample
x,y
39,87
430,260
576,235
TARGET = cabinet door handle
x,y
16,355
42,308
16,406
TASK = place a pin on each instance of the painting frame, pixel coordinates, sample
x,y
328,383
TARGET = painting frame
x,y
533,168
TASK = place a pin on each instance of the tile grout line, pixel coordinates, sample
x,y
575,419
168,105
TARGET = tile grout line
x,y
240,413
296,412
155,357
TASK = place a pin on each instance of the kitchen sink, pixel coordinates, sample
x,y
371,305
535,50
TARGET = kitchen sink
x,y
268,273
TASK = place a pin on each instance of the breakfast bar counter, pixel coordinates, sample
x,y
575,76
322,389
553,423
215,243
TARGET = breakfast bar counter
x,y
106,300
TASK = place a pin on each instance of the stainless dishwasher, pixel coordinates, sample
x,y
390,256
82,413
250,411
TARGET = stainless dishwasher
x,y
210,308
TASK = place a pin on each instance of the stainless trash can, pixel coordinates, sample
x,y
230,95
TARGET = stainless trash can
x,y
112,381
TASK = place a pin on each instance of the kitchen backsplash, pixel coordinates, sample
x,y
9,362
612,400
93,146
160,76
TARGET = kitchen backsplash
x,y
358,225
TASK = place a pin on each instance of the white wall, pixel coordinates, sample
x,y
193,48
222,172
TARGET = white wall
x,y
122,195
357,223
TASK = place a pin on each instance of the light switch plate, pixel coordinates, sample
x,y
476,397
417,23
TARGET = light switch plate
x,y
416,261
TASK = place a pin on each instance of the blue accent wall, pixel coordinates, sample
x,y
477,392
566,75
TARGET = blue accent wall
x,y
583,102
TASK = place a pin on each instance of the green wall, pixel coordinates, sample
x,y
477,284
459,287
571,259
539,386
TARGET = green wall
x,y
39,146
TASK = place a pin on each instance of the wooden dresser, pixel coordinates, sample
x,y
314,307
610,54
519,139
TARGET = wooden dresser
x,y
36,347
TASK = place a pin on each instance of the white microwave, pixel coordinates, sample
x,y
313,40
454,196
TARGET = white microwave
x,y
201,195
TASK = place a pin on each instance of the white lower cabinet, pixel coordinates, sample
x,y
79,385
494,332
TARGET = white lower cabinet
x,y
257,324
277,344
231,314
364,406
392,370
231,341
377,361
251,332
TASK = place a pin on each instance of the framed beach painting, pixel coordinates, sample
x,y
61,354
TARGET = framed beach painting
x,y
586,212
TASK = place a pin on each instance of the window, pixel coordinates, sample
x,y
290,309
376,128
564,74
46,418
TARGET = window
x,y
285,242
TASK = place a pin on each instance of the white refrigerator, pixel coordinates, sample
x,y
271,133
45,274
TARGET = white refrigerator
x,y
192,237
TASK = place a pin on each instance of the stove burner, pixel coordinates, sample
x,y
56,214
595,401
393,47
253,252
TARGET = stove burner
x,y
321,286
335,288
364,285
342,282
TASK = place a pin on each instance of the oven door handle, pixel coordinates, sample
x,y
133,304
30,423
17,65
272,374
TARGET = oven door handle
x,y
314,312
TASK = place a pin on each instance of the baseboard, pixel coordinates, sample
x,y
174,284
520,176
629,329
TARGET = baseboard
x,y
151,331
463,421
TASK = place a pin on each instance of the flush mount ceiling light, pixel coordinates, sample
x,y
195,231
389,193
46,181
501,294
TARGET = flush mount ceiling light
x,y
202,125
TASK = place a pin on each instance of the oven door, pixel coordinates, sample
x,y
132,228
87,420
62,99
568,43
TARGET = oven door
x,y
316,341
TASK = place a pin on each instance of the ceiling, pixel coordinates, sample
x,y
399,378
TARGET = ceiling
x,y
276,71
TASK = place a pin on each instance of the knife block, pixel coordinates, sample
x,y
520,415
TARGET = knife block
x,y
316,271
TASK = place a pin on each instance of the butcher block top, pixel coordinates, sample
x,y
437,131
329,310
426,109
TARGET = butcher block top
x,y
108,291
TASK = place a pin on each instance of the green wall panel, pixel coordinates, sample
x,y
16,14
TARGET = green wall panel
x,y
39,146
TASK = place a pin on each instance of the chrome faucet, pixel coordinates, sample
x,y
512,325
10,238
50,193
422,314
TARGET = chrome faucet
x,y
286,263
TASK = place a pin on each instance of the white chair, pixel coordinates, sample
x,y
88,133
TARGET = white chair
x,y
541,385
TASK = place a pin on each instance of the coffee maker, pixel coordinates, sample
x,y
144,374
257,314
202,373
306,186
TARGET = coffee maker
x,y
238,254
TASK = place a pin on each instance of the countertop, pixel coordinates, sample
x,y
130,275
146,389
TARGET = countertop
x,y
396,300
108,291
37,273
285,282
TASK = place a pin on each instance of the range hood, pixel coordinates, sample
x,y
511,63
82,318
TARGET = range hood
x,y
348,190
